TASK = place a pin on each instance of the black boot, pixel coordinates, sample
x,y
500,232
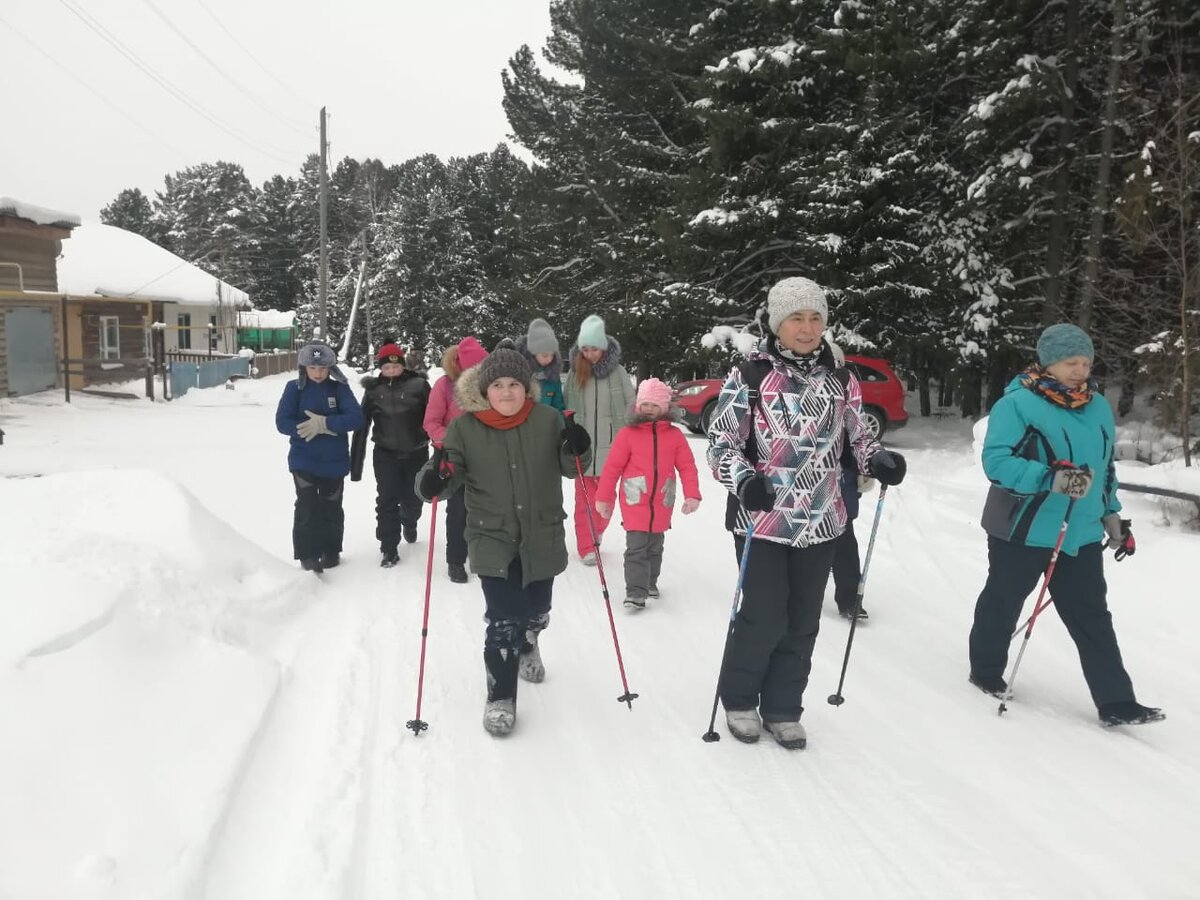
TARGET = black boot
x,y
994,685
391,556
457,572
331,560
1129,712
311,565
410,534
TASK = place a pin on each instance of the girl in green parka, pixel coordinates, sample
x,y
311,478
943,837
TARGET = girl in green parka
x,y
1049,456
508,454
600,394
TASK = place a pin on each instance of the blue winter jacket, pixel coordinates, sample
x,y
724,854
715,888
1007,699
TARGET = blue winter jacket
x,y
326,456
1025,433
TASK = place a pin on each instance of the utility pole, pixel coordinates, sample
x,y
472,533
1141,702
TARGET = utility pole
x,y
323,275
367,297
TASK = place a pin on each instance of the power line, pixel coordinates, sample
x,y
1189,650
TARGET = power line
x,y
220,71
252,57
151,132
166,85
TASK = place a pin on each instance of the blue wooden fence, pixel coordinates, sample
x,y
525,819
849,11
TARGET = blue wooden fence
x,y
184,376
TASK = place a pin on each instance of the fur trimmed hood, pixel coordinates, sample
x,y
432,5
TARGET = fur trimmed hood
x,y
607,364
674,415
471,399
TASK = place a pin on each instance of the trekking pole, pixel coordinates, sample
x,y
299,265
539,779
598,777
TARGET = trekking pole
x,y
627,698
1037,607
416,724
836,699
711,735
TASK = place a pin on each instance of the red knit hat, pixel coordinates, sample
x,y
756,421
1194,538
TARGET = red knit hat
x,y
390,353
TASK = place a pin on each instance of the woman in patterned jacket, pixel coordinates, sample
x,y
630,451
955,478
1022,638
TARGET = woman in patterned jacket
x,y
783,467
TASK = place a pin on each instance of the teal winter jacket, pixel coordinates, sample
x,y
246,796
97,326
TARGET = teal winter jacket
x,y
1025,434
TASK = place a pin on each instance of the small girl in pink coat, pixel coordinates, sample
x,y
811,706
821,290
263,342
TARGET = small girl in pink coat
x,y
645,456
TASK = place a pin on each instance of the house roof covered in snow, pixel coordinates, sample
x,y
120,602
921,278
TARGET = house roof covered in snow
x,y
38,215
112,262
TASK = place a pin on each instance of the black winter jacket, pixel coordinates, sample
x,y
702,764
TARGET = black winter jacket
x,y
394,408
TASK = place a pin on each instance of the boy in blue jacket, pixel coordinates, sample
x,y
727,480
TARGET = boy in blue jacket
x,y
318,411
1049,456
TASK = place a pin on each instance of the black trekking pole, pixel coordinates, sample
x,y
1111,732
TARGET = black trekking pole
x,y
415,723
711,735
1037,607
628,697
836,699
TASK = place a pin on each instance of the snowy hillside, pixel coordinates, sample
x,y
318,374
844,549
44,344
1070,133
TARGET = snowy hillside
x,y
188,715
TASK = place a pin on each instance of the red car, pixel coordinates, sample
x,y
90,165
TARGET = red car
x,y
882,393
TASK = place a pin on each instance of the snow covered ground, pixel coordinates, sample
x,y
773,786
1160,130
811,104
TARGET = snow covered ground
x,y
186,714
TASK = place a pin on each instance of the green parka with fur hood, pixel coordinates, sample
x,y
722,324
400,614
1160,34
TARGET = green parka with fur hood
x,y
512,481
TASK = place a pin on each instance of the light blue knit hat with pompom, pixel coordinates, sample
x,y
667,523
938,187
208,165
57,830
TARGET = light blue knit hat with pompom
x,y
592,334
1062,341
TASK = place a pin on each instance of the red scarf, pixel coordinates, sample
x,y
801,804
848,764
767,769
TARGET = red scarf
x,y
501,422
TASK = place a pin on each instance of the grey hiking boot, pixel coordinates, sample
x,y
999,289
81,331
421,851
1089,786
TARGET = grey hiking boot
x,y
652,593
531,667
634,602
744,724
499,716
787,734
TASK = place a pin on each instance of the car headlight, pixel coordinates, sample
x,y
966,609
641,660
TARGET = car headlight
x,y
691,390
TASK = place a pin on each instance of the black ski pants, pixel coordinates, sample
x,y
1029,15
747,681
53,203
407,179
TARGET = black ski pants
x,y
847,570
770,653
396,501
456,529
319,521
516,614
1080,598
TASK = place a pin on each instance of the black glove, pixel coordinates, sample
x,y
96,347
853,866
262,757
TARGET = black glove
x,y
756,493
888,467
575,439
437,475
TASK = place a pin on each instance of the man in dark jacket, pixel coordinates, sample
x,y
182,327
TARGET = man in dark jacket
x,y
394,406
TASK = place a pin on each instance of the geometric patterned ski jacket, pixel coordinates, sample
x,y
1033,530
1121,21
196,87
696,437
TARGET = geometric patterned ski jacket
x,y
799,429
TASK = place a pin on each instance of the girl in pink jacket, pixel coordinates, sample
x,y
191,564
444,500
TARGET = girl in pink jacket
x,y
645,456
441,410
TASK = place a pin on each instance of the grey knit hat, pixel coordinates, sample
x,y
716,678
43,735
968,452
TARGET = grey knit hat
x,y
794,295
504,363
317,353
540,338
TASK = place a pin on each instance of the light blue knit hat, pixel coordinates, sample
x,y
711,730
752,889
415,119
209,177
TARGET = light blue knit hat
x,y
1062,341
591,333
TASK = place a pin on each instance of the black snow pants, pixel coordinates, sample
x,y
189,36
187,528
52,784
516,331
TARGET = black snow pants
x,y
516,614
396,501
1080,598
770,653
319,521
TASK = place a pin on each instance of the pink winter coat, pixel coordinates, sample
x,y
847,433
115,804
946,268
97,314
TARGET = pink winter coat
x,y
441,410
645,457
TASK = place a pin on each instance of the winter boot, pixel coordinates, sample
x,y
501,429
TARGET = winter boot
x,y
590,558
499,717
410,534
331,560
531,667
634,602
789,735
848,613
994,685
457,572
1129,712
311,564
652,592
390,558
744,724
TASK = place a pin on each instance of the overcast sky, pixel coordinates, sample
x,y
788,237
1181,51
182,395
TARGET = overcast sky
x,y
398,77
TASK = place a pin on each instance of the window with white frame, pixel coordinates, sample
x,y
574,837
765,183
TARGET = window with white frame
x,y
110,337
184,321
213,333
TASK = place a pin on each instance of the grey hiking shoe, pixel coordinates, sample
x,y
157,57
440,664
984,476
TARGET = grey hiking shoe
x,y
653,592
634,603
787,734
531,667
499,716
744,724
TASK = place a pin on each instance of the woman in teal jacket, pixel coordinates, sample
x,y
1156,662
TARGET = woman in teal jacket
x,y
1049,456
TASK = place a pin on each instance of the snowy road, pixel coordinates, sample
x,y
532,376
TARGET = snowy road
x,y
314,788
